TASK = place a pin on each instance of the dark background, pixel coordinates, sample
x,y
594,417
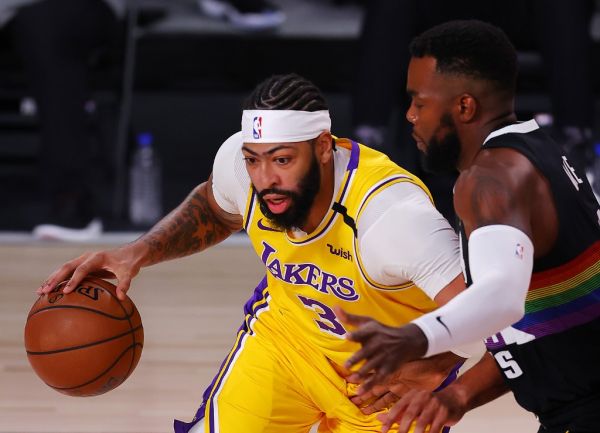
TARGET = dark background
x,y
191,75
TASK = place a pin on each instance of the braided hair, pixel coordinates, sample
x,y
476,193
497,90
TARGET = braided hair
x,y
286,92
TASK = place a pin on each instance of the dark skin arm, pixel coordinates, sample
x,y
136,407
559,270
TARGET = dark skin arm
x,y
386,339
196,224
501,187
479,385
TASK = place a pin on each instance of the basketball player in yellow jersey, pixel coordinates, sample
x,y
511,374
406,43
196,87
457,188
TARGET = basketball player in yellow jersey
x,y
335,223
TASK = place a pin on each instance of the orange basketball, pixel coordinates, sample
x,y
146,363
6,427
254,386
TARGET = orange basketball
x,y
86,342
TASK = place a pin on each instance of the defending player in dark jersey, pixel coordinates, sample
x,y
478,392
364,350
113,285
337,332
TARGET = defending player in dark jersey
x,y
530,242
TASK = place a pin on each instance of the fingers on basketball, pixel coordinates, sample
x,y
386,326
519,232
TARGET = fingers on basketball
x,y
86,342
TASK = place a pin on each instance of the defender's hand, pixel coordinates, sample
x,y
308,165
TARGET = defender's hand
x,y
384,348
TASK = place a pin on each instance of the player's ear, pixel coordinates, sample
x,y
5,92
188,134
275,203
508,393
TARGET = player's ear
x,y
324,147
467,107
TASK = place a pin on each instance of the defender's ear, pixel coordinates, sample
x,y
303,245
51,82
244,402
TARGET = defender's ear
x,y
467,107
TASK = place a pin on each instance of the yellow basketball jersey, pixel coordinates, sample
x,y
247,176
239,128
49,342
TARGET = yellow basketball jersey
x,y
307,276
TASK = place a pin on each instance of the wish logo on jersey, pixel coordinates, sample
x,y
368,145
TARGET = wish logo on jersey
x,y
340,252
308,274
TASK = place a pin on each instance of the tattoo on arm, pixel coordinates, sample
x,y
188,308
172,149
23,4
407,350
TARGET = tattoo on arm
x,y
491,201
190,228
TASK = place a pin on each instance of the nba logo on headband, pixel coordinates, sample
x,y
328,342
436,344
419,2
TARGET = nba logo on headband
x,y
257,127
283,126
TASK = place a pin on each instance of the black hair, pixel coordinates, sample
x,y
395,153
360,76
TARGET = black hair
x,y
471,48
286,92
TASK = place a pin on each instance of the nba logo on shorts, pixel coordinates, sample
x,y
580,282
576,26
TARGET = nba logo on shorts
x,y
257,127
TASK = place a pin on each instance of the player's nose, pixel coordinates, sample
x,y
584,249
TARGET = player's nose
x,y
266,177
411,115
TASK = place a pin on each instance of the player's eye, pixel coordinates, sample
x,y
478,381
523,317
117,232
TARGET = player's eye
x,y
282,160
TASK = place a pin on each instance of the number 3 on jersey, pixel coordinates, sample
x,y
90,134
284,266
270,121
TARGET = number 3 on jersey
x,y
328,321
508,365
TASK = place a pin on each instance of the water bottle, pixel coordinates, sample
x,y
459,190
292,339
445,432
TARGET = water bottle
x,y
145,195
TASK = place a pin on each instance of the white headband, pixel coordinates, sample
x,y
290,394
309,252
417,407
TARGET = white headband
x,y
283,126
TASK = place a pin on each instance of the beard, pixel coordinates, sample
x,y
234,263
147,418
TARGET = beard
x,y
301,201
442,154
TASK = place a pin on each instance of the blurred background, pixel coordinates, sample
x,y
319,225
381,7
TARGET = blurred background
x,y
111,110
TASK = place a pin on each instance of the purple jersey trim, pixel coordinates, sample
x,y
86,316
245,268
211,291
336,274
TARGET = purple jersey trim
x,y
451,378
250,209
354,156
257,302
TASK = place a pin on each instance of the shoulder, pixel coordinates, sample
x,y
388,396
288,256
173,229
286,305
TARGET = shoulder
x,y
232,145
400,198
402,212
230,181
496,188
402,237
494,167
227,155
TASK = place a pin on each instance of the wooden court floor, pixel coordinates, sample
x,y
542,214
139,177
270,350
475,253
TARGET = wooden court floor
x,y
191,309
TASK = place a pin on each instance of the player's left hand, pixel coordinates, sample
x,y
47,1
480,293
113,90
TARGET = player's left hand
x,y
384,348
426,411
379,397
427,374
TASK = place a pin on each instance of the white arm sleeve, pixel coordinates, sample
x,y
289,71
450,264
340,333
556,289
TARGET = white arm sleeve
x,y
402,237
230,181
501,263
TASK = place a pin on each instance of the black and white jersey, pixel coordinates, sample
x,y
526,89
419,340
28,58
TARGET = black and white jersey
x,y
551,357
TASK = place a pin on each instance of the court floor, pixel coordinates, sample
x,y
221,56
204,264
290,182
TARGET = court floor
x,y
190,308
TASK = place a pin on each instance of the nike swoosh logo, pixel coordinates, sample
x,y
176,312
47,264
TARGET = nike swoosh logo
x,y
261,226
439,319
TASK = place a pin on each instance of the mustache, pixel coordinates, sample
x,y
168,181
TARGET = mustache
x,y
266,191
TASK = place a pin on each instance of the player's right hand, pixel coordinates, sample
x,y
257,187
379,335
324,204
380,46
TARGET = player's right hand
x,y
115,264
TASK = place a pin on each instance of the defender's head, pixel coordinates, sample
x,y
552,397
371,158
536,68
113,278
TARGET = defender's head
x,y
461,74
287,145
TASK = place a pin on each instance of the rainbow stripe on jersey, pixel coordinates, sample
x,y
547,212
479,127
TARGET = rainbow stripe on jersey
x,y
563,297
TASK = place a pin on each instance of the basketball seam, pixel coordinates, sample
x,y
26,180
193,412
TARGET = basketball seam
x,y
77,307
103,373
135,343
134,346
83,346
